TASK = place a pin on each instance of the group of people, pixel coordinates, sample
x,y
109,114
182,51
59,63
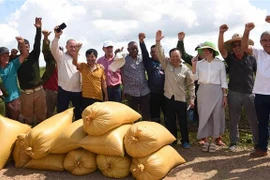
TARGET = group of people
x,y
170,85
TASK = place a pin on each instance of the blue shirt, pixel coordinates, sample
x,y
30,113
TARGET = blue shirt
x,y
9,78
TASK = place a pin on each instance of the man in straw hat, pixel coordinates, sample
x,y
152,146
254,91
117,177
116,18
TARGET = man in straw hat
x,y
241,69
261,87
187,58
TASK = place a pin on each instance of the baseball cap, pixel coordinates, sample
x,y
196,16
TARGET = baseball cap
x,y
4,50
107,43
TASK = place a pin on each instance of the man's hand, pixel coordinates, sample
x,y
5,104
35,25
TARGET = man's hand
x,y
141,37
38,23
181,36
267,19
159,36
118,50
78,47
223,28
57,34
19,39
46,34
249,26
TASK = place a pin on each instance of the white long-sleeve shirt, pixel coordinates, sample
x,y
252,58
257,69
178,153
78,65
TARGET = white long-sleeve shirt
x,y
211,73
68,75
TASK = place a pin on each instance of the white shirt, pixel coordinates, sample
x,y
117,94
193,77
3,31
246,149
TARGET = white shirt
x,y
262,85
211,73
68,75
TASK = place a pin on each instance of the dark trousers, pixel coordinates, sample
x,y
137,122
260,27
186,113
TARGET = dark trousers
x,y
177,109
157,104
140,104
114,93
64,98
88,101
262,106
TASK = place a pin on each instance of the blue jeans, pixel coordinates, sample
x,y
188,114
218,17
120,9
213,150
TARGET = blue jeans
x,y
114,93
64,98
262,106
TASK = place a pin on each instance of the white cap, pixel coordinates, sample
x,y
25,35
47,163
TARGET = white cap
x,y
107,44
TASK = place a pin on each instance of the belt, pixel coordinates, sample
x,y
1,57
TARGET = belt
x,y
30,91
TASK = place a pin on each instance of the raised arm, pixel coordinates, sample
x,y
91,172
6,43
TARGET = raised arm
x,y
38,25
24,51
222,29
180,46
244,43
56,52
75,57
46,47
160,52
145,54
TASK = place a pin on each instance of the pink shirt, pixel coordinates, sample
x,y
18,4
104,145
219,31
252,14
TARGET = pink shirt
x,y
112,78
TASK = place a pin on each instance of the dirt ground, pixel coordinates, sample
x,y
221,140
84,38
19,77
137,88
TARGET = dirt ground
x,y
200,165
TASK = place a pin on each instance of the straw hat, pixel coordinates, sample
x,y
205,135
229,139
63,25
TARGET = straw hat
x,y
208,45
119,61
235,37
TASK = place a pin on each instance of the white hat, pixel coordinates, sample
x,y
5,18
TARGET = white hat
x,y
107,43
119,61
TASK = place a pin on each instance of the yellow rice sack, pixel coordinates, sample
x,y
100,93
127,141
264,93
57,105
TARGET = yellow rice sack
x,y
145,137
80,162
110,143
101,117
40,139
9,130
114,166
52,162
156,165
19,156
69,138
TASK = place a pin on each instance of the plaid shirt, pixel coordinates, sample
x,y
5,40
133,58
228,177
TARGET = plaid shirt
x,y
134,79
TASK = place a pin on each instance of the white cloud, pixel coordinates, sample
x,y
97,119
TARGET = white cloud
x,y
94,21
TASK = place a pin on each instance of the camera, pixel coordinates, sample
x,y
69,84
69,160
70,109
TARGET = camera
x,y
61,27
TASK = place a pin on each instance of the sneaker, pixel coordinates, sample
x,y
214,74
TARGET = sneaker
x,y
258,153
186,145
232,147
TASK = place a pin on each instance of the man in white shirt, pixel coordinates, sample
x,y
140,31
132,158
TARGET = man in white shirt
x,y
69,85
261,87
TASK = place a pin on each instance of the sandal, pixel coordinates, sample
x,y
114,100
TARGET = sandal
x,y
205,147
212,147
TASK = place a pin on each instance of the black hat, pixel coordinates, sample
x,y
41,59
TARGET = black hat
x,y
4,50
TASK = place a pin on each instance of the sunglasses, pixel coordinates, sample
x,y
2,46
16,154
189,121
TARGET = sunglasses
x,y
234,45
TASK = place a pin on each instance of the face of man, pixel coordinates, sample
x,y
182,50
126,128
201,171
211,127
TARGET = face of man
x,y
108,51
133,50
236,48
71,47
175,58
91,59
265,42
4,59
153,53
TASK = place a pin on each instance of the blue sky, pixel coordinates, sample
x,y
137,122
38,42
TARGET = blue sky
x,y
93,21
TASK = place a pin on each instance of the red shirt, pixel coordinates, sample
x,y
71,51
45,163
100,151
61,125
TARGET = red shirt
x,y
52,83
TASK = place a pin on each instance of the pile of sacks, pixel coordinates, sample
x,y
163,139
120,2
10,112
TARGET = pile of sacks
x,y
106,138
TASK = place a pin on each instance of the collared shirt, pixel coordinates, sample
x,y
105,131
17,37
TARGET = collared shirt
x,y
68,75
241,72
134,79
211,73
92,81
177,79
112,78
262,85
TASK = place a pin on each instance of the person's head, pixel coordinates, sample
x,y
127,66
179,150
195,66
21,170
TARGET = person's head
x,y
71,47
91,56
234,44
265,41
153,52
4,56
175,57
27,45
133,49
108,49
208,50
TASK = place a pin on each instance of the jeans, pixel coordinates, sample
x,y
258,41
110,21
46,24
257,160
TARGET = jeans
x,y
235,102
262,106
114,93
177,109
157,103
64,98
